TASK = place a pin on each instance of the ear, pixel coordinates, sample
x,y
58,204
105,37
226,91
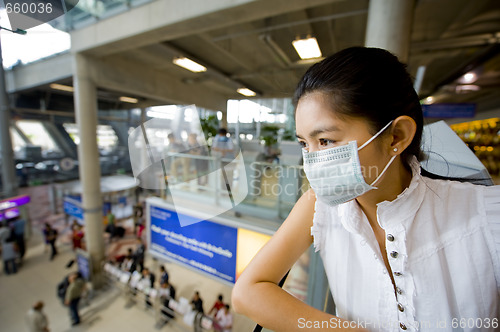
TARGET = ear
x,y
402,132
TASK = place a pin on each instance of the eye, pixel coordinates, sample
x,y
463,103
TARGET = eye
x,y
303,144
326,142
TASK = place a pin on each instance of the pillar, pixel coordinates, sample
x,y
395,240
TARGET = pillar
x,y
85,95
9,179
389,26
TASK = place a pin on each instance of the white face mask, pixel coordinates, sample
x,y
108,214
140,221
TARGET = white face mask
x,y
335,174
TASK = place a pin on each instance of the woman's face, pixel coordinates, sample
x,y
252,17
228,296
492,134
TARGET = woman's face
x,y
318,128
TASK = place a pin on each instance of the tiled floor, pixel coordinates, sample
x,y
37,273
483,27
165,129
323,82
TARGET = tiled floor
x,y
109,310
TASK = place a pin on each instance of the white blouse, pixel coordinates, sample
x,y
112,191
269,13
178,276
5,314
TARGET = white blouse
x,y
443,246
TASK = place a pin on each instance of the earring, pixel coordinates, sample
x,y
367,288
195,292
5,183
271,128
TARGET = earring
x,y
395,149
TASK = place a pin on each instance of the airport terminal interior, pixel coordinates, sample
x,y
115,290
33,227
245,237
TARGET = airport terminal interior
x,y
156,134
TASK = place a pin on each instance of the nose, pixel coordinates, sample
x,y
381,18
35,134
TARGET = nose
x,y
313,148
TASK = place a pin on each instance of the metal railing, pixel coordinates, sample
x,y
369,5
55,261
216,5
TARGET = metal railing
x,y
134,291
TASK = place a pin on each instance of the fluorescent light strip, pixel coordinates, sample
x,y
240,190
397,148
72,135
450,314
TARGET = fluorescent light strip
x,y
307,48
61,87
189,65
129,100
246,92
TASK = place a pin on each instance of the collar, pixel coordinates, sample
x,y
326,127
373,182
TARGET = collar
x,y
389,213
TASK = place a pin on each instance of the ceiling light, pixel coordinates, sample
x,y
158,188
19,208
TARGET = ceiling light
x,y
129,100
246,92
429,100
61,87
468,78
467,88
189,65
307,48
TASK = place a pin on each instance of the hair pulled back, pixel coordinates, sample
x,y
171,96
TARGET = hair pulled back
x,y
367,83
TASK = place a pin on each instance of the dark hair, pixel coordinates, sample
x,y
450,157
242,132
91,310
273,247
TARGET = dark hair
x,y
368,83
220,297
222,131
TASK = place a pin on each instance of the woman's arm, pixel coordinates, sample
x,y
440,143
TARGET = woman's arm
x,y
256,293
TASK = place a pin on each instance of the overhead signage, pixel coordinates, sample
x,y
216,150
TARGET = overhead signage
x,y
14,202
459,110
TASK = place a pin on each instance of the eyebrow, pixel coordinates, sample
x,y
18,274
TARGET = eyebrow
x,y
316,132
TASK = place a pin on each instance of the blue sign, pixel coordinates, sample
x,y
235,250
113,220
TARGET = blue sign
x,y
83,263
205,246
72,207
449,110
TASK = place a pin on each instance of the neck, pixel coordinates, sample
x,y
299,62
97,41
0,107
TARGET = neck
x,y
396,179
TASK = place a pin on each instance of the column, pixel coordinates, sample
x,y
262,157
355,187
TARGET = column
x,y
389,26
89,168
9,179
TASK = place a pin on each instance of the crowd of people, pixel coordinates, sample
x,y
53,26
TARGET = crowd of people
x,y
142,278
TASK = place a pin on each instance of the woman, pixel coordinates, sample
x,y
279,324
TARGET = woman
x,y
402,251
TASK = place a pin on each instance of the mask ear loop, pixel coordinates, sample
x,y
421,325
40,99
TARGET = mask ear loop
x,y
375,136
385,169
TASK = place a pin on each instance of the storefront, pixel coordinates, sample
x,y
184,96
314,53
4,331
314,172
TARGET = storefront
x,y
483,138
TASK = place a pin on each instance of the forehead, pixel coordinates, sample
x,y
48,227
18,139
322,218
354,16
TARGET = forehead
x,y
316,110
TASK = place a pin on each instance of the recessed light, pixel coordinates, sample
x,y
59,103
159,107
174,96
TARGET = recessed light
x,y
307,48
189,65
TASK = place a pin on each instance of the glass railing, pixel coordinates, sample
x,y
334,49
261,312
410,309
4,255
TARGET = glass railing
x,y
268,189
88,12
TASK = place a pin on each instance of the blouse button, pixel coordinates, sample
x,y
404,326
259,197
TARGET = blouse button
x,y
394,254
399,291
400,307
390,237
402,326
398,274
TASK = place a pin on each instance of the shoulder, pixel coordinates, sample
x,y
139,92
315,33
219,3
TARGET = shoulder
x,y
459,195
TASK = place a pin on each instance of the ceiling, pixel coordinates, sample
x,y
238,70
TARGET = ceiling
x,y
449,38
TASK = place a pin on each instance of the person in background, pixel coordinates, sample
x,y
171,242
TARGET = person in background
x,y
219,304
139,255
18,226
50,235
163,275
148,278
224,320
37,320
5,232
77,236
110,224
9,255
138,217
223,147
166,293
197,305
148,282
73,295
128,261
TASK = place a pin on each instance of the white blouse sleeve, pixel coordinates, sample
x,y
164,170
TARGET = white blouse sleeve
x,y
319,221
492,207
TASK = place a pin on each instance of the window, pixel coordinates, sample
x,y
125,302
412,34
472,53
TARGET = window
x,y
37,134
